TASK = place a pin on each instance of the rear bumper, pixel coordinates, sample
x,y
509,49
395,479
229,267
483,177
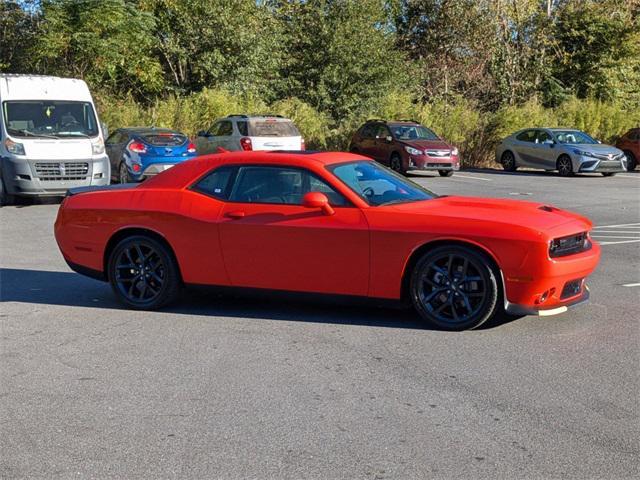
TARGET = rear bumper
x,y
31,178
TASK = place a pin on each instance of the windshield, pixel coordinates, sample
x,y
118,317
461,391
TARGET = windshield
x,y
412,132
573,137
378,185
47,119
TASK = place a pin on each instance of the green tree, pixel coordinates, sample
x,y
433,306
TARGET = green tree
x,y
16,32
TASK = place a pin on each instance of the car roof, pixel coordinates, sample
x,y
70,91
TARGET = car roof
x,y
185,173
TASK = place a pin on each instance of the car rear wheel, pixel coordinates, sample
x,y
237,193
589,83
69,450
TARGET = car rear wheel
x,y
632,162
564,166
509,161
143,273
396,164
454,288
445,173
123,174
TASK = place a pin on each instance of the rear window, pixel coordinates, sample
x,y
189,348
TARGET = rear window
x,y
272,128
164,139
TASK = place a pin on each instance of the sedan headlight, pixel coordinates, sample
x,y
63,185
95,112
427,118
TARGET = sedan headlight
x,y
97,147
14,147
413,151
583,153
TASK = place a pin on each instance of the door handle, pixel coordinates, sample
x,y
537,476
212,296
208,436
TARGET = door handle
x,y
236,214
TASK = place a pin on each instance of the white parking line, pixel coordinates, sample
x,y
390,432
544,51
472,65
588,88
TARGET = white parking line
x,y
631,225
628,176
631,285
471,176
624,241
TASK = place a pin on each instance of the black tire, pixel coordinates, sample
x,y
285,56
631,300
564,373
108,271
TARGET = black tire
x,y
608,174
564,165
445,173
123,174
5,197
143,273
508,161
395,162
632,161
454,288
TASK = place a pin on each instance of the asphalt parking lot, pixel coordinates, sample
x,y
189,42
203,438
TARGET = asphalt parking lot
x,y
224,387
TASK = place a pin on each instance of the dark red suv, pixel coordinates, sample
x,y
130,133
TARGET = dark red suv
x,y
405,145
629,143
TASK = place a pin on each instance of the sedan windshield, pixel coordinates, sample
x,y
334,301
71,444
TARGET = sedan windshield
x,y
378,185
573,137
413,132
47,119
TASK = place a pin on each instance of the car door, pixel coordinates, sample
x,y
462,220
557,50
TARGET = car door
x,y
269,240
208,143
545,154
113,146
524,147
367,143
383,146
224,136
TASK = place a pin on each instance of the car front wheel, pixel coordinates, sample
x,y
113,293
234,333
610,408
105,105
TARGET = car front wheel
x,y
454,288
565,166
143,273
396,164
445,173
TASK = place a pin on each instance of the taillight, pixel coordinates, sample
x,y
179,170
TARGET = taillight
x,y
302,147
245,143
137,147
191,148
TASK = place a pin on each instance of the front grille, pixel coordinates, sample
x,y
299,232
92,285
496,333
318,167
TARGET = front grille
x,y
610,165
571,289
605,157
438,153
569,245
436,165
54,171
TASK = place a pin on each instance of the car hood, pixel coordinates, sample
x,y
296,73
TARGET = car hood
x,y
428,144
537,216
599,148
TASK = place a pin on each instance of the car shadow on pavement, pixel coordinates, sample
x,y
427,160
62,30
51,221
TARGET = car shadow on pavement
x,y
74,290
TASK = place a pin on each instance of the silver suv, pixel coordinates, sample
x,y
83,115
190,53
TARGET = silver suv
x,y
250,132
566,150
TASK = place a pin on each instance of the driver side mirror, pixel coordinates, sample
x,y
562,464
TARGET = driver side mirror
x,y
389,139
551,143
317,200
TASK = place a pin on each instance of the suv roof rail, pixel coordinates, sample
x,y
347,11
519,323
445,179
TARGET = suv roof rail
x,y
407,120
238,115
270,115
376,120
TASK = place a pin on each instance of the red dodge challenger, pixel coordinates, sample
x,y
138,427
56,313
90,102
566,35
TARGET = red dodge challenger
x,y
327,223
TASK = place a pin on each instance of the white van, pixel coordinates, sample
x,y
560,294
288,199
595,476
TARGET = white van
x,y
50,137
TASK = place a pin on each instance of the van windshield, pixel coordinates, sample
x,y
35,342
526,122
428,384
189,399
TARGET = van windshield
x,y
49,118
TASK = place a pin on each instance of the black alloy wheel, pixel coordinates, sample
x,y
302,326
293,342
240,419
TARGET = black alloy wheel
x,y
608,174
632,162
565,166
454,288
509,161
445,173
123,174
396,164
143,273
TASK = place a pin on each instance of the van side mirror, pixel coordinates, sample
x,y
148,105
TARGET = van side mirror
x,y
317,200
105,130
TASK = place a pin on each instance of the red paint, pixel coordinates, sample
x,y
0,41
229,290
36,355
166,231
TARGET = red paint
x,y
357,250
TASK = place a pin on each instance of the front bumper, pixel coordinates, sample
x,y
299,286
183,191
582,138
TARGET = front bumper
x,y
425,163
26,177
522,310
595,165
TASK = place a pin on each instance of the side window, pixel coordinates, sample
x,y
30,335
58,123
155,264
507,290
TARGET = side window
x,y
217,183
527,136
115,137
543,136
215,129
225,129
243,128
280,185
317,185
367,130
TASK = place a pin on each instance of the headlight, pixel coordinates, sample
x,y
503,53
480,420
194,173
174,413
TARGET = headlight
x,y
413,151
583,153
97,147
454,152
14,147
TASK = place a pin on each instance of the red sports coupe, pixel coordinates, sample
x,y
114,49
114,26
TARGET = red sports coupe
x,y
328,223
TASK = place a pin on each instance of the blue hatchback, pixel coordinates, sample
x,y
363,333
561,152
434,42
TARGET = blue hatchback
x,y
141,152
